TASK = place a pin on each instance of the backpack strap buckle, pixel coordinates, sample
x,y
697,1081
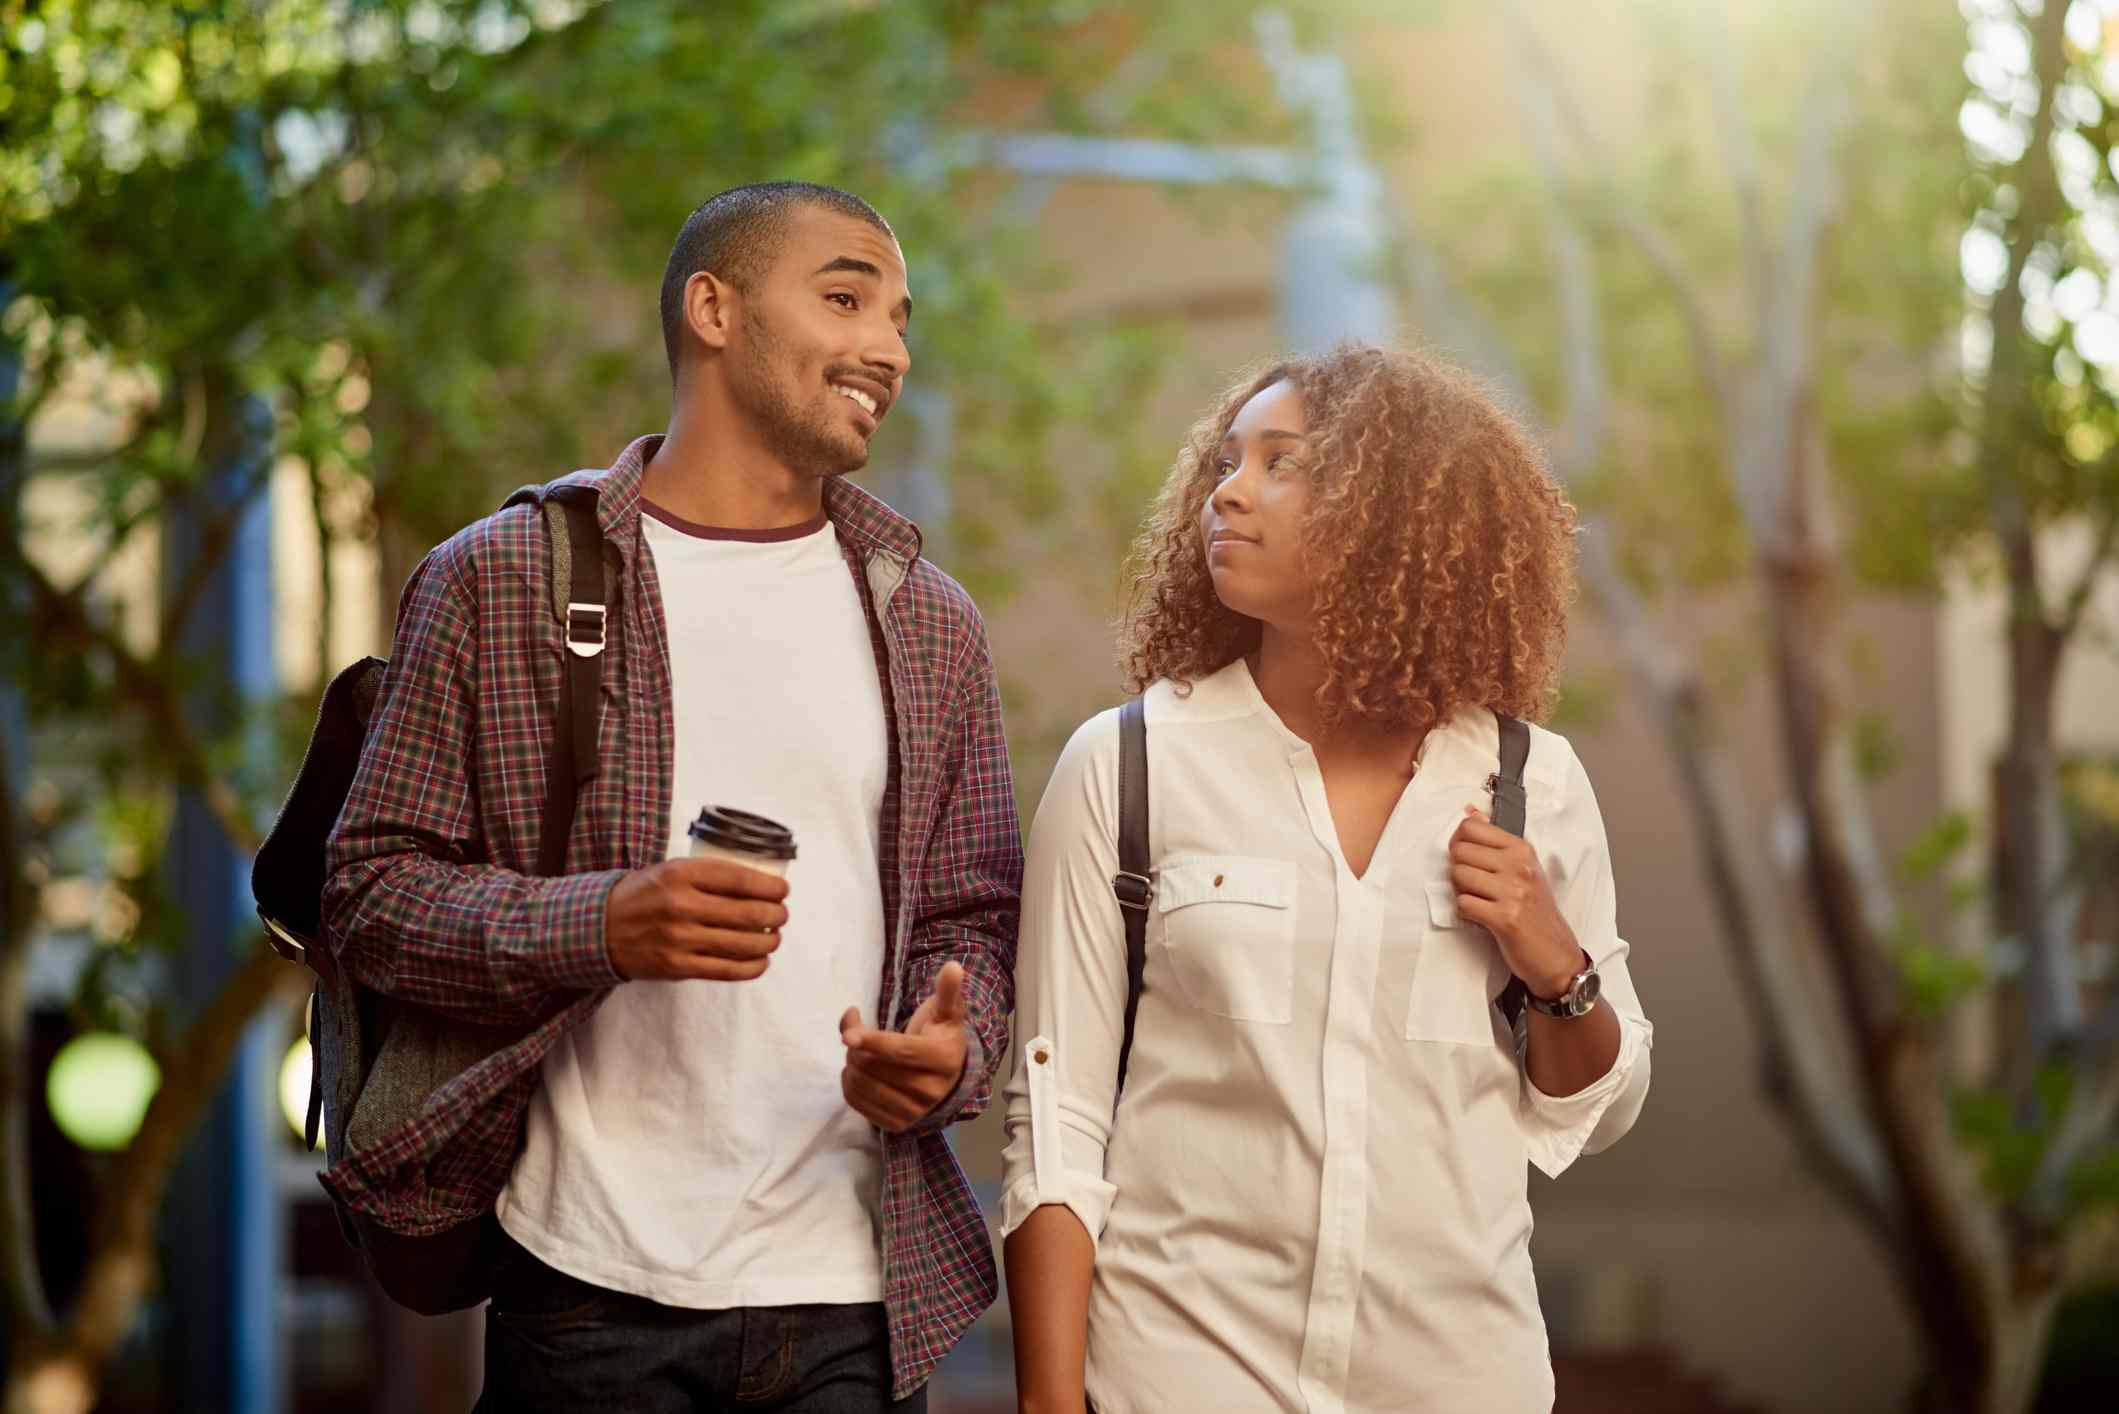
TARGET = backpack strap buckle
x,y
585,628
1134,891
284,941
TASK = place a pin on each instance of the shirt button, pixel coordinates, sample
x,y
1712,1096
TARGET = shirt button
x,y
1217,880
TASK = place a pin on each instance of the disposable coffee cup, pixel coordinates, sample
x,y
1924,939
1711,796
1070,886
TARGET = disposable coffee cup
x,y
741,837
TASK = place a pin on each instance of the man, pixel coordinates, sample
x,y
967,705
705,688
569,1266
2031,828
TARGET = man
x,y
696,1209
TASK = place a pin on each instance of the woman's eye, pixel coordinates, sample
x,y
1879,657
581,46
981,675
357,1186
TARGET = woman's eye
x,y
1224,468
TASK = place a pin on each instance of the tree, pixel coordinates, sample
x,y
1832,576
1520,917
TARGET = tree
x,y
1989,1188
399,227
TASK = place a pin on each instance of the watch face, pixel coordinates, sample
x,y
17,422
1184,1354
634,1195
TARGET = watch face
x,y
1586,992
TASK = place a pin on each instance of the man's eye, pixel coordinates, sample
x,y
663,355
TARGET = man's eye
x,y
847,300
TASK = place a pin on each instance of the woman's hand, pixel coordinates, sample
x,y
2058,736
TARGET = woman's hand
x,y
1502,887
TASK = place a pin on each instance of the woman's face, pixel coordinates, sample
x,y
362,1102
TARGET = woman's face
x,y
1251,525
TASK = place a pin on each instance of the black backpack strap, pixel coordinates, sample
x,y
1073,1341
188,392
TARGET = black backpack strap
x,y
1511,804
573,762
315,1115
580,599
1134,884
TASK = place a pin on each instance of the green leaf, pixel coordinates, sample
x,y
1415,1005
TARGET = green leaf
x,y
1932,979
1936,846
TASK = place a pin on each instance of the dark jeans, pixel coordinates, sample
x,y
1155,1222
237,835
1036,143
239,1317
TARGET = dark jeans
x,y
557,1345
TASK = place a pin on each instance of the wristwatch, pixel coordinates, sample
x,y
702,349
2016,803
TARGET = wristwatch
x,y
1579,999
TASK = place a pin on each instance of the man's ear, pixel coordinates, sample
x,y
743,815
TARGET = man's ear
x,y
709,308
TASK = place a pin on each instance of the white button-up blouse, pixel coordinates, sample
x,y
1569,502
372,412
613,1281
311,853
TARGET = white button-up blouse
x,y
1312,1196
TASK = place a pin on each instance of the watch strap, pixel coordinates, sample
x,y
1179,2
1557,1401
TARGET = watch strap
x,y
1564,1006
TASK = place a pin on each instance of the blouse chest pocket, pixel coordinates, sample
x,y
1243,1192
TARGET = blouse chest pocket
x,y
1228,926
1457,973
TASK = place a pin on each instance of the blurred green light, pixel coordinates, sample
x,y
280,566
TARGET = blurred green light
x,y
294,1088
98,1088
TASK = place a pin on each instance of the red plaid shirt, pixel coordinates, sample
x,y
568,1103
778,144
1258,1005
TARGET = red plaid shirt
x,y
431,898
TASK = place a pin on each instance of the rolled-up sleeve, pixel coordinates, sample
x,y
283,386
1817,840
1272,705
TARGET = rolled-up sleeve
x,y
1560,1129
969,887
1070,991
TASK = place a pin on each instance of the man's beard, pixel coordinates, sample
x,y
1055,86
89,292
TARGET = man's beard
x,y
799,434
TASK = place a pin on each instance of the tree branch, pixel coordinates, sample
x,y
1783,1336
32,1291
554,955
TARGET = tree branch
x,y
1795,1055
1579,438
122,523
326,581
1766,451
2077,600
1778,452
1550,105
23,408
122,1271
1956,1264
64,615
1796,1066
2039,204
2088,1121
1663,258
1448,321
1850,890
215,538
2032,846
28,1308
2091,1116
1905,1175
1740,154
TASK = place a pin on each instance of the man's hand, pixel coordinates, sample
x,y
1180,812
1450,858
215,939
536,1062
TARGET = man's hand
x,y
895,1080
1502,887
694,920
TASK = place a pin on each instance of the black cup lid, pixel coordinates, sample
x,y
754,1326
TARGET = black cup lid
x,y
741,830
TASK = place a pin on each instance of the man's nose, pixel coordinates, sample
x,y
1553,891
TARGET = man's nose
x,y
888,356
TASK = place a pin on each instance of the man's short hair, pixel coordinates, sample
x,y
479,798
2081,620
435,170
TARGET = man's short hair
x,y
732,233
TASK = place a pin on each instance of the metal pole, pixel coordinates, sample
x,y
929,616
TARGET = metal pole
x,y
225,1229
1333,252
1335,247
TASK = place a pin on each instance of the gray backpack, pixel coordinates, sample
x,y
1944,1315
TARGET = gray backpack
x,y
375,1061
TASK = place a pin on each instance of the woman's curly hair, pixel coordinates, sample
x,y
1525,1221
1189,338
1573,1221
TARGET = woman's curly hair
x,y
1441,547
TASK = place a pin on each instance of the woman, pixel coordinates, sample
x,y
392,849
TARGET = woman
x,y
1312,1193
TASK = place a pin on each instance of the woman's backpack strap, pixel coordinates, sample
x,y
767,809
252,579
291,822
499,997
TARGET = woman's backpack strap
x,y
1134,884
1511,804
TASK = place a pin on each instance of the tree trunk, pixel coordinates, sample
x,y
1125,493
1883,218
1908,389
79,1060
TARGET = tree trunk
x,y
2033,834
2000,1373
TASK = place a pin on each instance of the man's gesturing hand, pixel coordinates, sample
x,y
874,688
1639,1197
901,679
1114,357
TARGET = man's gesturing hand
x,y
895,1080
694,919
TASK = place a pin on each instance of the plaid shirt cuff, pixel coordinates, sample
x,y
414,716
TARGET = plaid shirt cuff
x,y
944,1114
562,940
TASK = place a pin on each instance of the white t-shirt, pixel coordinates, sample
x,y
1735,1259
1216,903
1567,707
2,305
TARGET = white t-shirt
x,y
1313,1193
689,1142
